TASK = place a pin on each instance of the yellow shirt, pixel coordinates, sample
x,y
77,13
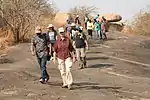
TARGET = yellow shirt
x,y
90,26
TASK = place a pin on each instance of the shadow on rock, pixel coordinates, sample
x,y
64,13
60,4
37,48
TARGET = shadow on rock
x,y
6,59
101,66
55,83
93,52
110,39
91,86
97,58
84,86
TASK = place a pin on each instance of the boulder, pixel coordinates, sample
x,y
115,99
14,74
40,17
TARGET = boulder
x,y
60,19
111,17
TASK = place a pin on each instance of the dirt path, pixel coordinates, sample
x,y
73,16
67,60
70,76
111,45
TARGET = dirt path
x,y
106,78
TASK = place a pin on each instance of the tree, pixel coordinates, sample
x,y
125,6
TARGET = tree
x,y
22,15
82,11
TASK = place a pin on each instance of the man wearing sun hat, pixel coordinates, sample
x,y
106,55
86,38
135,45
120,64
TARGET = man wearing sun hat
x,y
63,50
41,46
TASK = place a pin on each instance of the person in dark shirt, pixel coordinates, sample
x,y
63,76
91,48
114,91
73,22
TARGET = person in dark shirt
x,y
41,47
77,20
81,46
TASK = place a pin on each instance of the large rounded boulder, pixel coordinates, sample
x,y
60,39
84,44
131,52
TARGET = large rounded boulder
x,y
112,17
60,19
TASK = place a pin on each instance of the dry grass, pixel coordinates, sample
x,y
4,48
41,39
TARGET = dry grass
x,y
6,36
6,40
140,24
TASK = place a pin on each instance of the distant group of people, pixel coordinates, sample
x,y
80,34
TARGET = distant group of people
x,y
97,25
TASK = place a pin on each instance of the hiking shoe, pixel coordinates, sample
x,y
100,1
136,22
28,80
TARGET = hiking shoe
x,y
64,86
46,80
42,81
52,58
81,66
69,87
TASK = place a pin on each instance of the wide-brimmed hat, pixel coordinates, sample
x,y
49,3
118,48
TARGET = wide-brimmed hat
x,y
73,24
61,30
38,29
50,26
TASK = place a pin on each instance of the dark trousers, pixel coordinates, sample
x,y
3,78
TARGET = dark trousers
x,y
42,62
104,33
90,33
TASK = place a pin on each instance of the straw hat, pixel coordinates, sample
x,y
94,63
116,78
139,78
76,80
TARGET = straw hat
x,y
61,30
38,29
50,26
73,24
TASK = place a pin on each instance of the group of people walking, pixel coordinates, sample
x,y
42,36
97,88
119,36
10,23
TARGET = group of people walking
x,y
66,45
99,26
62,46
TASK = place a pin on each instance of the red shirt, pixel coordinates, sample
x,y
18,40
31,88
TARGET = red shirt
x,y
63,48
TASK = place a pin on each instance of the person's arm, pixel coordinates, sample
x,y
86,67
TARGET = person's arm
x,y
50,48
55,51
48,43
93,26
74,46
86,42
71,49
87,46
32,47
56,35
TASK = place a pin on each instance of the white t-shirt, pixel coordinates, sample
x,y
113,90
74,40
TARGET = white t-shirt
x,y
51,36
73,33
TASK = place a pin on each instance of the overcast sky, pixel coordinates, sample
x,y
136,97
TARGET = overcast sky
x,y
126,8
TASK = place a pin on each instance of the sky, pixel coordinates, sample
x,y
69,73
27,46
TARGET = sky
x,y
126,8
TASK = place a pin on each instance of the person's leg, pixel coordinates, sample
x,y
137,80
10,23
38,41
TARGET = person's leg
x,y
45,75
91,33
101,36
104,33
78,53
39,62
105,36
61,67
68,65
97,32
83,57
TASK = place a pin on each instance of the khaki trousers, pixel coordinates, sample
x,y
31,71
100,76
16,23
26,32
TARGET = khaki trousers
x,y
65,70
81,56
80,52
